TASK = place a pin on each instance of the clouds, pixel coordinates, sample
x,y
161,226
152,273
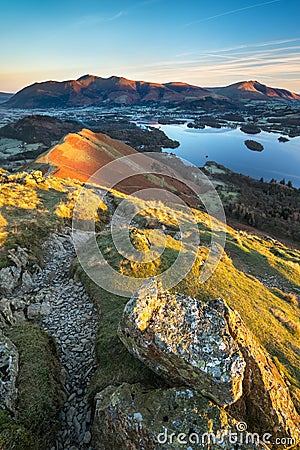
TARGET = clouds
x,y
95,19
276,61
230,12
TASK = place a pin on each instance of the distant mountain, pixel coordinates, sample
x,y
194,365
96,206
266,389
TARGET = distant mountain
x,y
93,90
253,90
4,96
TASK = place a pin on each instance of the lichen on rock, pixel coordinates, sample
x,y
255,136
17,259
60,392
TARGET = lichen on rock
x,y
9,365
131,417
185,341
208,348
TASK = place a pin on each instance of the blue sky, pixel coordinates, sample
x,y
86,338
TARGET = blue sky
x,y
205,43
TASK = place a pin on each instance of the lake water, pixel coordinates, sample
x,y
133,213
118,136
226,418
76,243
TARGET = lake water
x,y
226,146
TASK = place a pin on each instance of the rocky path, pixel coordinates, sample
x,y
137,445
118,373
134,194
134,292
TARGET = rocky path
x,y
70,317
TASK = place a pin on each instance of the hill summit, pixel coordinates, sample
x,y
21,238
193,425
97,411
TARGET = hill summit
x,y
254,90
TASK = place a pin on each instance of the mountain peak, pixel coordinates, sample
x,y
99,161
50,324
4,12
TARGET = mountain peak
x,y
254,90
85,77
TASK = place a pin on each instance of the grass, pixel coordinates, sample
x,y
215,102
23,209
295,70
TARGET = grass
x,y
32,207
258,277
40,395
247,261
116,364
13,435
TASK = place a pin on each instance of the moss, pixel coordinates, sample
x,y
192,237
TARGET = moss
x,y
13,436
40,394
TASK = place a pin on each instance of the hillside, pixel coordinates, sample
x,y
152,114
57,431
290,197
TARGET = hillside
x,y
81,154
93,90
272,208
253,90
256,276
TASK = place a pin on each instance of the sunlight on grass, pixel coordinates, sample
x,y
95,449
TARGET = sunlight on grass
x,y
87,205
18,195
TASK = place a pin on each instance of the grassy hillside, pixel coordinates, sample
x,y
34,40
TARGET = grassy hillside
x,y
259,277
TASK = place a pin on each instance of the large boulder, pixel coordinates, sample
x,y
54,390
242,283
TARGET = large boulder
x,y
208,347
185,341
131,417
9,359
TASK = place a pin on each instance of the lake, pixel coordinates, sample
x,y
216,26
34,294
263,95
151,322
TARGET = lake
x,y
226,146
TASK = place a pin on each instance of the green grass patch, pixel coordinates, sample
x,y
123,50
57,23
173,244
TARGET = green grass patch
x,y
13,435
40,394
116,364
237,280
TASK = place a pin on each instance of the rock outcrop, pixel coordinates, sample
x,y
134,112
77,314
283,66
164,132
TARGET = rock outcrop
x,y
135,418
9,360
11,277
207,347
185,341
266,402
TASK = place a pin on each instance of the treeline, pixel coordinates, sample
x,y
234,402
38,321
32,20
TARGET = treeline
x,y
271,207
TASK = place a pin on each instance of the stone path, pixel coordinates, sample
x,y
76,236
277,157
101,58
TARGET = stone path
x,y
72,320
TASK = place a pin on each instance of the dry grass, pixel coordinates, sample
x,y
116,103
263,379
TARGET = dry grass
x,y
86,202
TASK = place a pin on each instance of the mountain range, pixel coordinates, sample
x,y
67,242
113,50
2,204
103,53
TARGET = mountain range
x,y
93,90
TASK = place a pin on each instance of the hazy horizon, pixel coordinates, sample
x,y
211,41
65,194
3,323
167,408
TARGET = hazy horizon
x,y
209,44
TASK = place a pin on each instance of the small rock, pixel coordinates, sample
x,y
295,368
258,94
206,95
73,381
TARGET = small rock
x,y
45,309
87,437
33,311
19,317
6,311
70,414
77,425
72,396
27,282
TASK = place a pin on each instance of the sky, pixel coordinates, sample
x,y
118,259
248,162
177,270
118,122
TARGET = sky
x,y
207,43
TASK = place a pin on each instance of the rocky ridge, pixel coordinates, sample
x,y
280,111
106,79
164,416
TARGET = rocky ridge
x,y
42,295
